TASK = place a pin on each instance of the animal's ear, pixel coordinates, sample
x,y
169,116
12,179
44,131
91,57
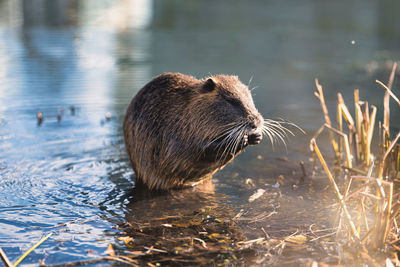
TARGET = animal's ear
x,y
209,85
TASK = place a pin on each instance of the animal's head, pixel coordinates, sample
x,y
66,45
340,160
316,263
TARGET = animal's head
x,y
225,111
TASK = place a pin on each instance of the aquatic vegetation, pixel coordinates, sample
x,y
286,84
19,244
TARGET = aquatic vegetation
x,y
8,263
369,207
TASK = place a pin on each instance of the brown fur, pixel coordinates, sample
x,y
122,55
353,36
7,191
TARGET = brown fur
x,y
174,127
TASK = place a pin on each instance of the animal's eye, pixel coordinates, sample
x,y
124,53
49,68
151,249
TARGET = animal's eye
x,y
233,101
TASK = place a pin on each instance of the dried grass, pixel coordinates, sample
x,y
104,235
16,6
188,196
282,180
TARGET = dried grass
x,y
369,208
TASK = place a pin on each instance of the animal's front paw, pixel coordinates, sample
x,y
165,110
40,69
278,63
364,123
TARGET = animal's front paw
x,y
254,137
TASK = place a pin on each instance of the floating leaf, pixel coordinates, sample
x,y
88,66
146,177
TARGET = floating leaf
x,y
297,239
110,250
214,235
127,240
256,195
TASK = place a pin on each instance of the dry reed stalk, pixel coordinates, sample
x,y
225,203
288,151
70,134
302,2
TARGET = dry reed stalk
x,y
364,128
356,192
346,113
389,91
378,204
361,172
386,106
371,196
382,213
388,210
364,215
346,145
361,139
397,159
360,191
352,137
20,259
358,117
5,260
370,133
320,96
360,216
388,150
353,229
381,138
382,209
366,115
350,124
339,120
341,134
395,211
348,185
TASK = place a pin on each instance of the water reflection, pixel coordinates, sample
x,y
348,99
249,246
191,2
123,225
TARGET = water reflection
x,y
149,205
49,13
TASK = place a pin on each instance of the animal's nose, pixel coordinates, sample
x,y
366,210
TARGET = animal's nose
x,y
255,136
256,121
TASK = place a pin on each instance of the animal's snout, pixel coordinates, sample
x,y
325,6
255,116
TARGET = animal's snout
x,y
256,121
254,136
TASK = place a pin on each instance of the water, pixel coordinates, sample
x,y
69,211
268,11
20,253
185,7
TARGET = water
x,y
73,177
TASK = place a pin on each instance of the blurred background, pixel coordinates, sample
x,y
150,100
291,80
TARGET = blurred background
x,y
79,63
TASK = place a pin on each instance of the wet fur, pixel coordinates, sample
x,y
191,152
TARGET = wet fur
x,y
176,125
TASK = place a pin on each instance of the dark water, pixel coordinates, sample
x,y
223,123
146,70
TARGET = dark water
x,y
73,177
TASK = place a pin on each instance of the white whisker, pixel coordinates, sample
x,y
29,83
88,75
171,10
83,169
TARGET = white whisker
x,y
230,133
275,130
282,121
238,140
230,146
270,136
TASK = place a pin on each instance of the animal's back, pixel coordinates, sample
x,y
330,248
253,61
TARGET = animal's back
x,y
156,107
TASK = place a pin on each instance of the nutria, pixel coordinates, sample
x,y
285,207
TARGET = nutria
x,y
179,130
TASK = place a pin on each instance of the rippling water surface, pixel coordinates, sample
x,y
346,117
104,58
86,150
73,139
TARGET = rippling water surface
x,y
85,59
